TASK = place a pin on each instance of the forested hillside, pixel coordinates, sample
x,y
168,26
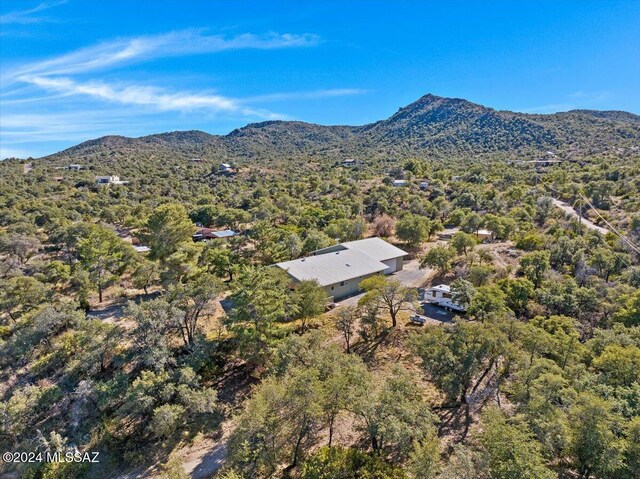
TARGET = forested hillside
x,y
434,126
198,359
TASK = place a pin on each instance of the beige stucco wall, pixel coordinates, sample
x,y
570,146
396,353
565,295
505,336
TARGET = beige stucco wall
x,y
349,288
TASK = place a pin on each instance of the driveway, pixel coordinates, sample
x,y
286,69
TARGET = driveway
x,y
411,276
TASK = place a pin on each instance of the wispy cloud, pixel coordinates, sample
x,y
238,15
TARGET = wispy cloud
x,y
147,96
27,16
143,48
304,95
87,93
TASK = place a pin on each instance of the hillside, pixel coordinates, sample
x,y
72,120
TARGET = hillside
x,y
432,126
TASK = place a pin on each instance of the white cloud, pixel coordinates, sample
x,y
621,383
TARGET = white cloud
x,y
304,95
26,16
142,48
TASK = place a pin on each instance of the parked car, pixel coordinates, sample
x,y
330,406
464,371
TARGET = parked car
x,y
417,319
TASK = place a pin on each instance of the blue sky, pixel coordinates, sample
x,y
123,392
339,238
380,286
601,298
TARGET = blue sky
x,y
75,70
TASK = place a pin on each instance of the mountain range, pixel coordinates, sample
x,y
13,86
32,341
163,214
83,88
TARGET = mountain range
x,y
431,126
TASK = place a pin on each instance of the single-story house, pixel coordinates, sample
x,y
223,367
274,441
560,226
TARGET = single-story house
x,y
75,167
110,180
441,296
424,185
400,183
141,249
483,234
341,268
226,169
205,234
349,162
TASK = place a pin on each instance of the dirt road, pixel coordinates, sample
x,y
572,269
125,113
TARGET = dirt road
x,y
569,210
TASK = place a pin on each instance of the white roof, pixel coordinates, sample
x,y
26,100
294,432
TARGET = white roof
x,y
376,248
485,232
331,268
441,287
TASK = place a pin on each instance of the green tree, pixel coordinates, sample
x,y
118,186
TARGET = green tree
x,y
510,449
104,256
463,242
389,294
518,292
413,229
260,297
489,302
453,356
192,298
438,257
310,300
21,294
168,227
534,265
593,444
629,314
462,292
395,415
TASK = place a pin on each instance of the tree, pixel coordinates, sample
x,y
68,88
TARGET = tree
x,y
518,292
168,227
510,449
619,365
534,265
389,294
279,423
21,294
192,298
412,229
19,245
453,356
310,299
593,445
395,415
489,302
347,318
438,257
156,323
629,314
104,256
463,242
462,292
260,297
348,463
424,459
383,226
145,274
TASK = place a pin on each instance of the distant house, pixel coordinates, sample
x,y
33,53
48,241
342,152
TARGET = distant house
x,y
441,296
226,169
141,249
397,183
196,160
341,268
75,167
424,185
483,234
110,180
349,162
206,234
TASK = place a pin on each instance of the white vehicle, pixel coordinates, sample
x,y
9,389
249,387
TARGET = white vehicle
x,y
440,295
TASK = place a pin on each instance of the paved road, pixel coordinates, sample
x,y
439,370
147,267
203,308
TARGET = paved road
x,y
569,210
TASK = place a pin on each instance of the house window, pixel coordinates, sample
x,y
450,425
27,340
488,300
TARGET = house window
x,y
332,288
342,283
